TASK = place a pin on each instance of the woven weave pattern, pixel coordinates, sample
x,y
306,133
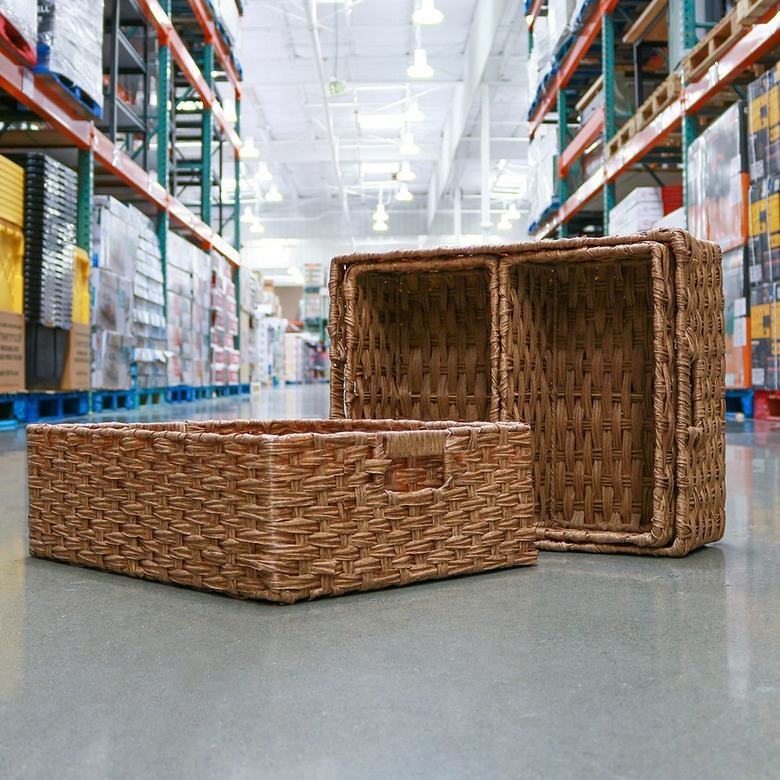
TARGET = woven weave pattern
x,y
421,341
282,510
612,350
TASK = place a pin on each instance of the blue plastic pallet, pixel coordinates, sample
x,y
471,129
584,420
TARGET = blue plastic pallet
x,y
13,410
180,394
41,407
739,402
201,393
79,100
112,400
244,389
150,396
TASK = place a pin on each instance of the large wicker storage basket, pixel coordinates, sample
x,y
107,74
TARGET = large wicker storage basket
x,y
612,350
283,510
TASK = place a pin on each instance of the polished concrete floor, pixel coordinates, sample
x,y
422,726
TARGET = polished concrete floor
x,y
582,667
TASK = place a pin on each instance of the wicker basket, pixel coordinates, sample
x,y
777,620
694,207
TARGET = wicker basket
x,y
414,340
283,510
612,349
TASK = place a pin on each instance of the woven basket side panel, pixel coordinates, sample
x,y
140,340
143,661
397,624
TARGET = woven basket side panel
x,y
701,467
168,508
338,528
589,398
337,333
422,346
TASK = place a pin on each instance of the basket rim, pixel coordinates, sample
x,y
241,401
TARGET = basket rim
x,y
342,429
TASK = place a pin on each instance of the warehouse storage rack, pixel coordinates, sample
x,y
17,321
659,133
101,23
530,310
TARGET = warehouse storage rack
x,y
611,35
186,51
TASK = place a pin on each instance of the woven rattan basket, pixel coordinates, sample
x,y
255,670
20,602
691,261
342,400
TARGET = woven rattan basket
x,y
612,349
414,340
283,510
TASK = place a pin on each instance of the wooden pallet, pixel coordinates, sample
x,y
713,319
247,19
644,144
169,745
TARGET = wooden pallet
x,y
621,138
753,11
714,44
663,95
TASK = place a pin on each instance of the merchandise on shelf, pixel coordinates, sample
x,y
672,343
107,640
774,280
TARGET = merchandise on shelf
x,y
70,45
543,192
229,19
758,127
758,243
640,210
540,57
149,324
225,358
115,247
736,294
765,336
268,336
559,13
19,29
294,358
718,181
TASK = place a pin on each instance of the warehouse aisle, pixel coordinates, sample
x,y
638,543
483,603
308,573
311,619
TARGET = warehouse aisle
x,y
585,666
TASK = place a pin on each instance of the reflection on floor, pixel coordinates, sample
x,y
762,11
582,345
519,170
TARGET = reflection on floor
x,y
585,666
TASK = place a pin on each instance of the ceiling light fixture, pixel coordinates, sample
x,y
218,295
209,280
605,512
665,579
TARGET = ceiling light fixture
x,y
262,173
408,146
248,150
273,195
420,69
257,227
248,216
380,227
504,223
512,212
406,173
427,13
380,215
413,113
403,194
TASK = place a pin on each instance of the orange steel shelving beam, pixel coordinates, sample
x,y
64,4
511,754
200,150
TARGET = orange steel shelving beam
x,y
22,85
578,50
533,12
761,39
588,133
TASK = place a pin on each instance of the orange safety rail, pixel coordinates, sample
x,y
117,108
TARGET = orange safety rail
x,y
168,36
22,85
586,135
571,61
212,35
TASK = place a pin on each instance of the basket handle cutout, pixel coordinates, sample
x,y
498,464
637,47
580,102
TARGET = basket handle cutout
x,y
413,457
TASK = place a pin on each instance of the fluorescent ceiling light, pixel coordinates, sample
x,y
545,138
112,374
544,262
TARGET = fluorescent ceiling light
x,y
420,69
427,13
406,173
408,146
380,215
249,151
379,167
273,195
248,216
380,227
403,193
380,121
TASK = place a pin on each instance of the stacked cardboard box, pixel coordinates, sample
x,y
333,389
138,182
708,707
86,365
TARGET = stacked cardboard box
x,y
543,183
763,149
639,210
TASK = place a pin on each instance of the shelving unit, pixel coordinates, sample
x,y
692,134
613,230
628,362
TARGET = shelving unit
x,y
716,62
166,54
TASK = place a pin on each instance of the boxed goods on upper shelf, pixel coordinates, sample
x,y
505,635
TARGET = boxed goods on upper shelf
x,y
543,184
70,49
718,181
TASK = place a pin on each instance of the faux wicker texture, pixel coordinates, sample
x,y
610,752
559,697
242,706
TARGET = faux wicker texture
x,y
283,510
612,349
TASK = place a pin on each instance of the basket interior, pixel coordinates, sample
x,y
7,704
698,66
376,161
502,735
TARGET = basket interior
x,y
421,345
581,374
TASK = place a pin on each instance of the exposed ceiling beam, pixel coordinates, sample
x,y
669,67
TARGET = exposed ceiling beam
x,y
487,17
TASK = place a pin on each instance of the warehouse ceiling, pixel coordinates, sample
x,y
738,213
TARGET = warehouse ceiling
x,y
328,104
